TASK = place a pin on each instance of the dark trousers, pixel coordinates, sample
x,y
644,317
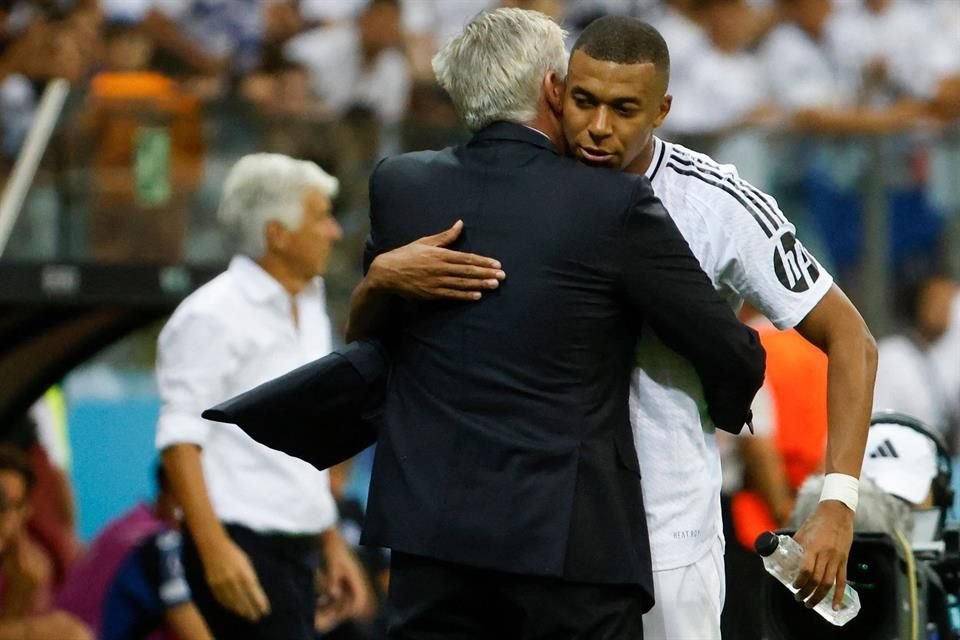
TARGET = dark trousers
x,y
434,600
286,567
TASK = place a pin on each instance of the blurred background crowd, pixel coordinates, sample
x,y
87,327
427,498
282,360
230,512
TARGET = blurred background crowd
x,y
847,111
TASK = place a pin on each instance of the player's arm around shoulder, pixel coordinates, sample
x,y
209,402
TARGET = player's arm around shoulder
x,y
424,269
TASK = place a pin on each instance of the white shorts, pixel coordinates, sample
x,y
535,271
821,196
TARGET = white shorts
x,y
689,600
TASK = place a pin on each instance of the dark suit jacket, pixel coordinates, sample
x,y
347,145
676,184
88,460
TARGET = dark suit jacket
x,y
324,412
507,442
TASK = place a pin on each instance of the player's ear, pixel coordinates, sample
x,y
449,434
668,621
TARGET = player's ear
x,y
665,105
553,91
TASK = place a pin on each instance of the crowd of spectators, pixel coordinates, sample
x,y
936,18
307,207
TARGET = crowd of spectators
x,y
786,89
817,65
342,82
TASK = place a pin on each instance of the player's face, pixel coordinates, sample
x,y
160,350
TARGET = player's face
x,y
610,110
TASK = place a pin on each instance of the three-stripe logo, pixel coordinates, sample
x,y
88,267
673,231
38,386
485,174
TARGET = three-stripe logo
x,y
885,450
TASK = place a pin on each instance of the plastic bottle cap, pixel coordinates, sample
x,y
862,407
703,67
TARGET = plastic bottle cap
x,y
767,542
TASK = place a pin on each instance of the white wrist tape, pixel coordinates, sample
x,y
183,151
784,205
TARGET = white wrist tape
x,y
840,486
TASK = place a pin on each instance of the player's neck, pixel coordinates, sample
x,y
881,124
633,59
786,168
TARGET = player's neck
x,y
642,162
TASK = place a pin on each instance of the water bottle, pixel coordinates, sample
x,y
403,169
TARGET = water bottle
x,y
782,556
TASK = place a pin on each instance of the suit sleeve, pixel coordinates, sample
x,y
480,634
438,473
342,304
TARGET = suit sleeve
x,y
372,246
663,281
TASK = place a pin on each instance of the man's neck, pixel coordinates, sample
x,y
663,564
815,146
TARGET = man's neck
x,y
549,127
291,281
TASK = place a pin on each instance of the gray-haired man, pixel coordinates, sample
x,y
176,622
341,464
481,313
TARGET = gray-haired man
x,y
257,520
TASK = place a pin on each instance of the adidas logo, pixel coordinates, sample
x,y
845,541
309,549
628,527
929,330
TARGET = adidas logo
x,y
885,450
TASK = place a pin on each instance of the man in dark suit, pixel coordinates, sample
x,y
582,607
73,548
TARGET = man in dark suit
x,y
506,481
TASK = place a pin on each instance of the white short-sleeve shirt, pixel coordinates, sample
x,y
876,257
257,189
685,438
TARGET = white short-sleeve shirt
x,y
721,89
750,252
801,72
906,37
922,381
688,45
331,10
338,75
222,28
232,334
910,381
443,19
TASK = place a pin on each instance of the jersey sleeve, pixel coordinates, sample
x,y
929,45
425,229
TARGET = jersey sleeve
x,y
764,262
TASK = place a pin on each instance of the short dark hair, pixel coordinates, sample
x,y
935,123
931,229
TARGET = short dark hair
x,y
624,40
12,459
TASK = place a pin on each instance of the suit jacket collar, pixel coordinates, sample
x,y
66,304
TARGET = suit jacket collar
x,y
503,130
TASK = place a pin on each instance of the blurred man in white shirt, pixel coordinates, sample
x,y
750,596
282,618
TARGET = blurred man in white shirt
x,y
257,520
429,24
919,369
358,63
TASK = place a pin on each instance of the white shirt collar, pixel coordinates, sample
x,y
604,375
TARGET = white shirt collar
x,y
254,281
540,132
260,286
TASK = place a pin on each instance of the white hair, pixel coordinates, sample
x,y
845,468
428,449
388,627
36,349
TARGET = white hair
x,y
494,69
268,186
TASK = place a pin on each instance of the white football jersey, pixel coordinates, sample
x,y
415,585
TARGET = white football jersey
x,y
748,249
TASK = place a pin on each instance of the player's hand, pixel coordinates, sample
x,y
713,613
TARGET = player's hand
x,y
346,582
826,537
425,270
57,624
234,581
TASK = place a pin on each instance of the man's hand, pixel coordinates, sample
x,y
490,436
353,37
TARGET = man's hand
x,y
233,580
425,270
346,583
826,537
